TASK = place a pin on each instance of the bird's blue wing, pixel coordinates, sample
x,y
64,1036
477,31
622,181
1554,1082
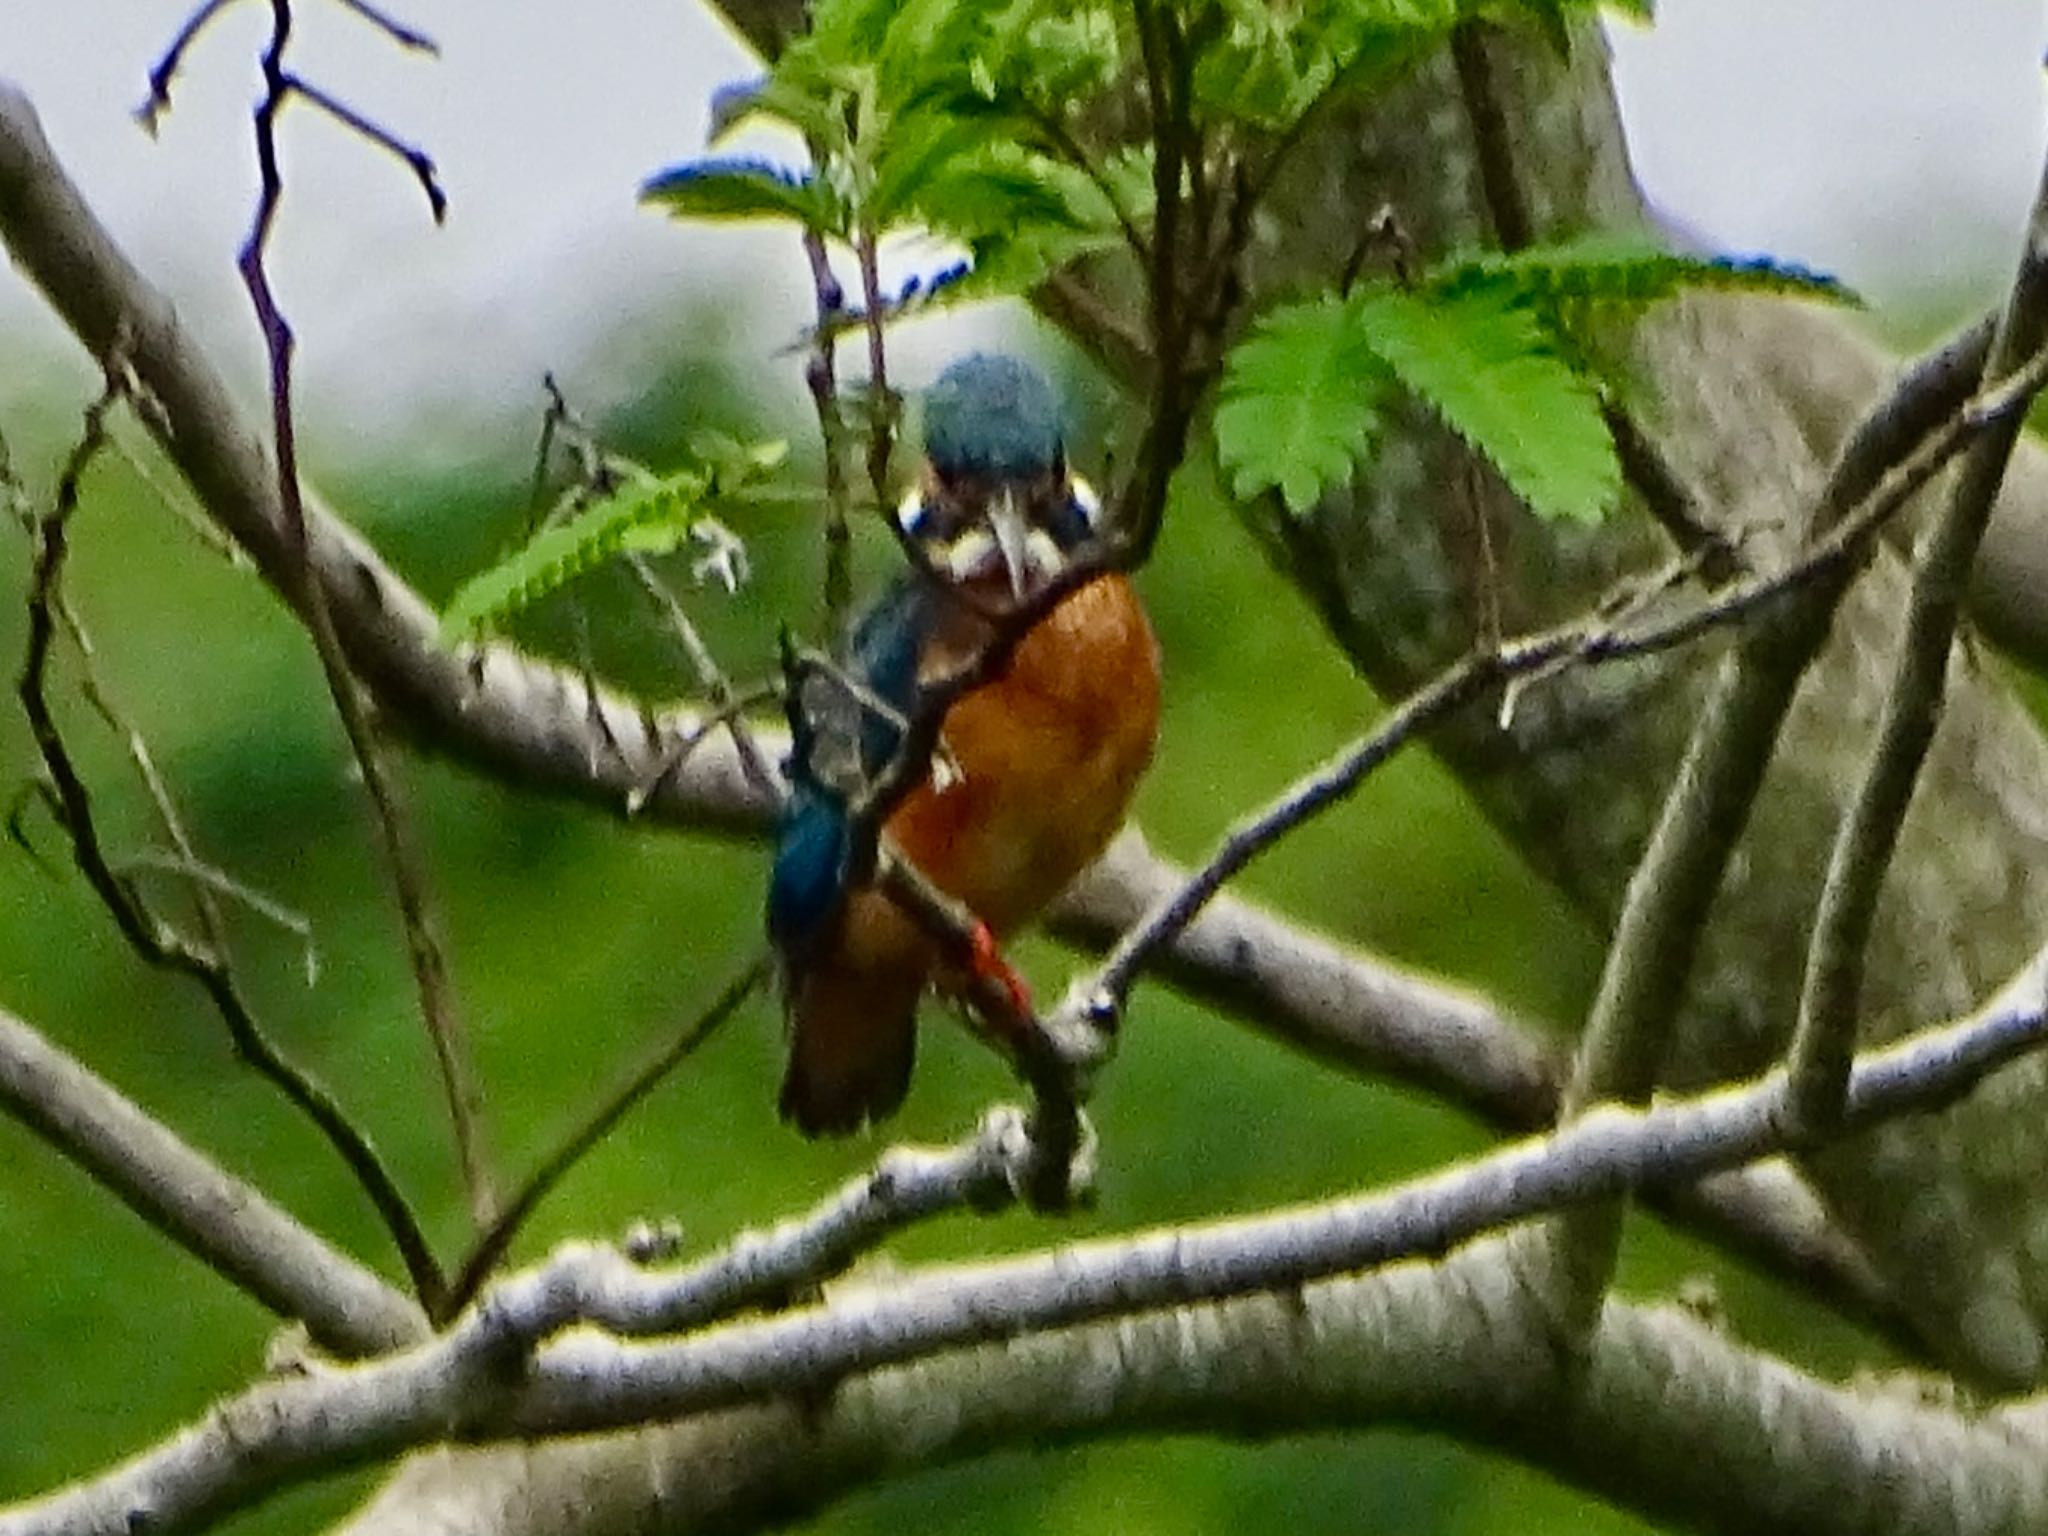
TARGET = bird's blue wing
x,y
814,843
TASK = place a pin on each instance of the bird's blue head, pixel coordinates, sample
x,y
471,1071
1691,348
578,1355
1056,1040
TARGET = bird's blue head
x,y
996,504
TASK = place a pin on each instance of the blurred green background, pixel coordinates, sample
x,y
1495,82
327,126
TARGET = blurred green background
x,y
577,939
1884,139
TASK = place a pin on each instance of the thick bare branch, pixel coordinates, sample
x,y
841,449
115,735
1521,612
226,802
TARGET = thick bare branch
x,y
1424,1346
468,1383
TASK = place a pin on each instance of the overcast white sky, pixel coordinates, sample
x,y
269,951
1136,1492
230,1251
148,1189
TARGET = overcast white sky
x,y
1894,142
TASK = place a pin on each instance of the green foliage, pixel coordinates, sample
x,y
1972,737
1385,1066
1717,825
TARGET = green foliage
x,y
1502,346
1300,396
1299,403
646,515
744,189
1487,366
1626,270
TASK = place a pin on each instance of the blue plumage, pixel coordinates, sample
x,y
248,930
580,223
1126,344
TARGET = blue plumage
x,y
837,749
993,418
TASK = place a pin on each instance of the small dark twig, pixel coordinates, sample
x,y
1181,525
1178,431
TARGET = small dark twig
x,y
158,102
399,33
1492,138
883,405
728,708
417,160
821,377
1076,154
399,846
155,942
592,1129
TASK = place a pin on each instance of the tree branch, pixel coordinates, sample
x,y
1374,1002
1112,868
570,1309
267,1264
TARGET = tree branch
x,y
228,1225
1831,995
1430,1347
485,1378
532,723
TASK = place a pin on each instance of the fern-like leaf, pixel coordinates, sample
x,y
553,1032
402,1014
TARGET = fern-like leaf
x,y
1299,403
1486,365
743,189
1609,270
647,516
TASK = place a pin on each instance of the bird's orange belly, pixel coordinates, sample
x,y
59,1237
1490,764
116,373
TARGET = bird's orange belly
x,y
1042,761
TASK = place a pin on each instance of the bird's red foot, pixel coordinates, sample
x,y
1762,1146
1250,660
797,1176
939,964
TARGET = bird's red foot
x,y
986,960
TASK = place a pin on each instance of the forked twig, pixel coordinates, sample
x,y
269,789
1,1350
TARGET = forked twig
x,y
156,942
396,839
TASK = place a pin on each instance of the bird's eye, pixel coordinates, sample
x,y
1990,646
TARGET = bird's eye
x,y
1087,503
911,515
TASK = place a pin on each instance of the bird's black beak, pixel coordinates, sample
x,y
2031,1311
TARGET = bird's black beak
x,y
1012,530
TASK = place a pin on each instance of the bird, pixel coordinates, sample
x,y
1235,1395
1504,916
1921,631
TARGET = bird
x,y
1035,766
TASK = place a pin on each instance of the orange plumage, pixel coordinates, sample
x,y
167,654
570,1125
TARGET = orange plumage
x,y
1043,763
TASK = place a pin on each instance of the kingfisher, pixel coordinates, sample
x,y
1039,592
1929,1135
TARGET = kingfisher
x,y
1035,767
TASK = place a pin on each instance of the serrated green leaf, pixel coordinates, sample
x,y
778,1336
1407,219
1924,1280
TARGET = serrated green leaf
x,y
1299,403
1486,366
924,151
1265,65
647,516
802,94
743,189
1627,270
1006,190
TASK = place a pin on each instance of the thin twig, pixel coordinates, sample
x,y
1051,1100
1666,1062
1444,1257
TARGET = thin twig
x,y
155,942
882,402
821,377
1492,139
1061,138
207,878
158,102
396,839
728,707
399,33
592,1129
417,160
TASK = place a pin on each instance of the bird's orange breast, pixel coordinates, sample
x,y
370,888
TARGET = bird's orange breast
x,y
1043,760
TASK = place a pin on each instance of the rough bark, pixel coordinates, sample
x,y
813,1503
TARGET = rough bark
x,y
1747,399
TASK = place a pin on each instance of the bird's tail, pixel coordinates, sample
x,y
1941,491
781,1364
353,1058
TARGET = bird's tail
x,y
853,1031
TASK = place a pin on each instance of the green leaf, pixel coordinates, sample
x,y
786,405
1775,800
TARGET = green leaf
x,y
743,189
802,94
1299,406
924,150
1487,366
1265,66
647,516
1627,270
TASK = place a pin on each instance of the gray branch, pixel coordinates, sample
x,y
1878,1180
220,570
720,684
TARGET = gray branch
x,y
513,1366
1450,1346
227,1224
